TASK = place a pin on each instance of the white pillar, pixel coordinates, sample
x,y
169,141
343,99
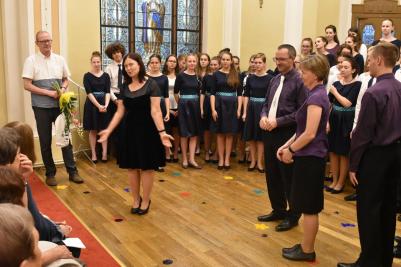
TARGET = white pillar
x,y
232,26
293,22
63,29
345,18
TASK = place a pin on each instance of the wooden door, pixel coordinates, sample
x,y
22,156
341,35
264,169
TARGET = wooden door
x,y
368,18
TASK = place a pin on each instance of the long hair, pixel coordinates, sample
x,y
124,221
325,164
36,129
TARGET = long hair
x,y
199,67
232,79
165,68
332,27
26,141
142,70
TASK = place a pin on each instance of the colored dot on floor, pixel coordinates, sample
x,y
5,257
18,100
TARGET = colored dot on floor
x,y
167,262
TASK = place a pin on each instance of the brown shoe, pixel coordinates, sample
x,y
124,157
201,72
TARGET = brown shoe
x,y
51,181
76,178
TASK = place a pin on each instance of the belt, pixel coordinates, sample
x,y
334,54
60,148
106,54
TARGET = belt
x,y
98,93
189,96
226,94
338,108
207,93
257,99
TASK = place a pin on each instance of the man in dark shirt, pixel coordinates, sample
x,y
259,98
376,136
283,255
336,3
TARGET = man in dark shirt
x,y
286,93
375,159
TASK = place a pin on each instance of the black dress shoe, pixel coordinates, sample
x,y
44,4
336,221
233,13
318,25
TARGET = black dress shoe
x,y
143,212
296,254
337,191
215,161
227,167
328,189
175,160
104,160
220,167
251,169
261,170
342,264
286,225
351,197
94,161
272,216
135,210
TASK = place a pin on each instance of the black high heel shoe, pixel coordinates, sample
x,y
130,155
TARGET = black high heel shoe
x,y
220,167
135,210
143,212
337,191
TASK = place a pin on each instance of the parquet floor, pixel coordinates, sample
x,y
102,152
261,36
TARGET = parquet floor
x,y
200,218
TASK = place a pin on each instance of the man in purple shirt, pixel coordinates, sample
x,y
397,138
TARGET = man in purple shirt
x,y
285,95
375,159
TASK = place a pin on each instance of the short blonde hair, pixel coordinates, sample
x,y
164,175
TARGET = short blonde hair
x,y
317,64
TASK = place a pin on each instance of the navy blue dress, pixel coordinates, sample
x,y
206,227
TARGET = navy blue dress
x,y
189,115
162,82
140,146
342,119
226,104
255,89
206,91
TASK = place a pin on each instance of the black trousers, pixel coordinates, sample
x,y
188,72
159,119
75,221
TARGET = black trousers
x,y
278,175
45,117
378,175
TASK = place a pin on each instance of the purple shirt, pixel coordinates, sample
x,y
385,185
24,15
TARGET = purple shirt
x,y
379,121
319,145
292,96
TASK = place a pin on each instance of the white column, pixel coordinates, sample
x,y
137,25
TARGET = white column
x,y
232,26
204,25
46,18
345,18
63,28
293,22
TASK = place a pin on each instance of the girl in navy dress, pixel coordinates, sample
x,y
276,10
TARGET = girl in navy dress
x,y
343,96
254,97
238,143
224,102
320,44
186,91
352,41
143,134
96,117
171,70
387,34
205,107
162,81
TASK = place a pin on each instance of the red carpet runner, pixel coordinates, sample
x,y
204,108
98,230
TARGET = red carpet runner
x,y
49,204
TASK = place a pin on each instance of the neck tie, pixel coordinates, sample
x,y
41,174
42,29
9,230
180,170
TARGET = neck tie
x,y
120,77
274,104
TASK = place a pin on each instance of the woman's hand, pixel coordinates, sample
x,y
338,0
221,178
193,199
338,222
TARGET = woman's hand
x,y
214,115
103,135
25,166
286,156
166,139
167,117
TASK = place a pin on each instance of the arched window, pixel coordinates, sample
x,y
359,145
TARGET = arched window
x,y
152,26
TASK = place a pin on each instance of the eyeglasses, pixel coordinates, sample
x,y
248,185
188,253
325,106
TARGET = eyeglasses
x,y
275,59
45,41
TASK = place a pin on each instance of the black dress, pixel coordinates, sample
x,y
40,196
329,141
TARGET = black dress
x,y
226,104
162,82
99,87
207,112
361,63
341,119
141,147
255,90
331,59
395,42
189,117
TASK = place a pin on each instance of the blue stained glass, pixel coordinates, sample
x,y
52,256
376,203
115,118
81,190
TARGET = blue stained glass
x,y
153,13
111,35
114,12
368,34
147,49
188,14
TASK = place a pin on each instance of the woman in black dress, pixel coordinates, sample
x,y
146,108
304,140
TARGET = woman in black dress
x,y
171,70
142,132
387,34
162,81
343,96
186,91
225,104
320,44
202,69
96,117
352,41
254,97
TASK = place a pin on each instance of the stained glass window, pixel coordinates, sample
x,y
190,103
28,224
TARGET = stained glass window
x,y
368,34
152,26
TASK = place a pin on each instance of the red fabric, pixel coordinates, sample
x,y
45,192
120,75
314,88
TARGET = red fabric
x,y
49,204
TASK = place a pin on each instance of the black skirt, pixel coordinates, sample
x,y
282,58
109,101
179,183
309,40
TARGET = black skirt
x,y
207,114
93,119
252,131
227,121
341,122
189,117
307,185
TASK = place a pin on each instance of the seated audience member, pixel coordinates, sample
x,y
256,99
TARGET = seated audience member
x,y
19,238
12,191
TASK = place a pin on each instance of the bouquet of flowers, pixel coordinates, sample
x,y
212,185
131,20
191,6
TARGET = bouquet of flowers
x,y
68,107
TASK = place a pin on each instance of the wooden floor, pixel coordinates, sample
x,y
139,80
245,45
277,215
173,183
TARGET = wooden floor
x,y
200,218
